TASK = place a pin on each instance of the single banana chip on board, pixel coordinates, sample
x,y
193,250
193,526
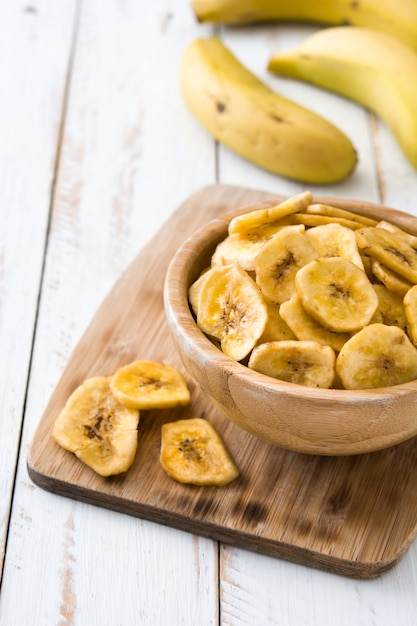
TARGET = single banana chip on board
x,y
377,356
193,452
232,309
279,261
390,250
305,363
99,430
335,240
336,293
150,385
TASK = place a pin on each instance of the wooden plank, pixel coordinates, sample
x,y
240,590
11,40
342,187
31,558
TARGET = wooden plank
x,y
35,49
257,589
352,515
119,145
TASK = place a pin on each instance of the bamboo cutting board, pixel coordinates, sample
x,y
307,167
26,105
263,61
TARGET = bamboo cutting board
x,y
354,516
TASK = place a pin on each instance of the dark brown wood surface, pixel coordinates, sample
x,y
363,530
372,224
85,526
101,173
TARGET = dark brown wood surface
x,y
354,516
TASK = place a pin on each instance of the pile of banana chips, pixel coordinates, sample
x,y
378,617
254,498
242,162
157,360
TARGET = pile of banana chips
x,y
314,295
100,421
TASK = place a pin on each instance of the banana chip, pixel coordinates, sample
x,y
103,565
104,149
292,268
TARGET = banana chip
x,y
99,430
260,218
336,293
194,291
390,250
306,328
279,261
377,356
410,306
410,239
149,385
192,452
302,362
231,309
240,250
392,281
390,310
276,329
335,240
313,219
343,214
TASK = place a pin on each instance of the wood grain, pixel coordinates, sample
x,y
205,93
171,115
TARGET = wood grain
x,y
355,516
34,57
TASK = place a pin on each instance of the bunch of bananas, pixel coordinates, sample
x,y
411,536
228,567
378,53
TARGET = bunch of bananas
x,y
372,61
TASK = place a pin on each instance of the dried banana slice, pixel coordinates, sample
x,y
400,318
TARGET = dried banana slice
x,y
306,328
410,239
392,281
242,249
367,266
335,240
390,310
276,328
239,250
149,385
305,363
390,250
99,430
194,291
332,211
377,356
336,293
279,261
232,309
193,452
252,220
312,219
410,305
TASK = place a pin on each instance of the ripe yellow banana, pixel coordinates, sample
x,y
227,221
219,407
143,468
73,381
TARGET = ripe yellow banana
x,y
391,16
243,113
369,67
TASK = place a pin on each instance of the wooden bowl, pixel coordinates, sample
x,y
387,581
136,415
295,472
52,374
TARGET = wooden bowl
x,y
309,420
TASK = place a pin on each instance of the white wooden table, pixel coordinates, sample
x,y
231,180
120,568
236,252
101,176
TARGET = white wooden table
x,y
97,149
